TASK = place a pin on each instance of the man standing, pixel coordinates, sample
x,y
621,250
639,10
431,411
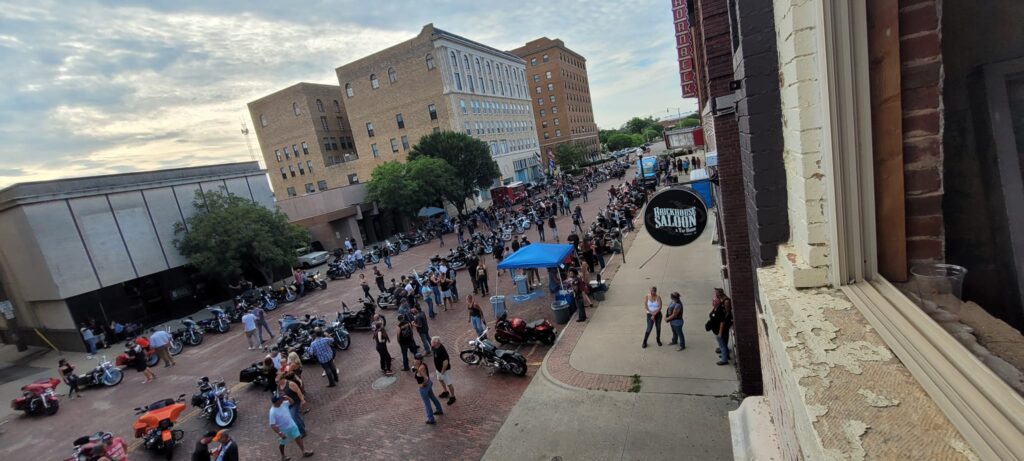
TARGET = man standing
x,y
443,367
406,341
261,324
300,280
419,320
249,325
202,450
348,246
228,449
90,340
360,260
284,426
322,348
540,228
378,278
160,340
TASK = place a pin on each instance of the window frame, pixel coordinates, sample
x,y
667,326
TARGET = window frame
x,y
432,111
296,110
429,58
392,75
349,92
374,81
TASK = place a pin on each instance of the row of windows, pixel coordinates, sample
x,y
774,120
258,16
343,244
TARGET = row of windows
x,y
302,171
571,60
540,101
545,58
375,82
544,123
400,120
322,185
514,78
490,107
551,87
536,77
554,109
497,127
298,111
505,146
288,153
558,134
327,127
332,143
573,76
394,146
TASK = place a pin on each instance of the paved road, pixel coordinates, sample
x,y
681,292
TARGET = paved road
x,y
353,420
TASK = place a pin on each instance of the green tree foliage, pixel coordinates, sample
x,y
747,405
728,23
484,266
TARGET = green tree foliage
x,y
622,140
637,125
687,122
650,133
469,156
407,187
229,234
435,180
569,156
603,135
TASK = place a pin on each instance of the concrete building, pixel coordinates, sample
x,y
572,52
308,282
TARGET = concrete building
x,y
560,95
102,248
314,167
866,157
440,81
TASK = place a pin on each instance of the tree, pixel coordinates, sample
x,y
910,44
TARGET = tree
x,y
229,234
603,135
637,125
650,133
469,156
620,141
435,180
391,188
687,122
569,156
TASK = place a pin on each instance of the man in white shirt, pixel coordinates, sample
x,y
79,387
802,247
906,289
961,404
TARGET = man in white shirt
x,y
284,426
360,262
249,323
160,340
348,246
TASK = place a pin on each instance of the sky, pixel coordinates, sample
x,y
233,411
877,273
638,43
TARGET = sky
x,y
99,87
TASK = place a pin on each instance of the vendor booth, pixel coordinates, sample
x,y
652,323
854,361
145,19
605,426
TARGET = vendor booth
x,y
540,256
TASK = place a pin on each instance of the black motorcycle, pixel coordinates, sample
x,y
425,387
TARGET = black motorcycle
x,y
214,399
311,282
219,323
361,320
259,376
105,374
339,269
190,334
482,352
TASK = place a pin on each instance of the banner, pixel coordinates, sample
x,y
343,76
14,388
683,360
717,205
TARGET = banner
x,y
676,216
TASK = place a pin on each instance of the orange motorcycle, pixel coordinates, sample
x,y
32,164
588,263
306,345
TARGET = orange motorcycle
x,y
155,424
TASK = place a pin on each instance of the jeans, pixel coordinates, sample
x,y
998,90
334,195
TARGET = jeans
x,y
478,325
427,394
425,337
484,288
600,258
581,309
411,346
437,294
656,323
430,306
677,334
387,260
260,326
540,232
455,291
297,416
332,372
302,288
90,344
723,347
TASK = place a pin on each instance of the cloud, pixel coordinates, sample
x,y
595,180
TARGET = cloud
x,y
98,86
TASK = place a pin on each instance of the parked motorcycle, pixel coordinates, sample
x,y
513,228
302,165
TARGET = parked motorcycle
x,y
191,334
516,330
339,269
283,294
105,374
311,282
39,397
386,300
482,352
155,423
337,331
214,399
255,374
123,360
93,447
219,323
361,320
176,345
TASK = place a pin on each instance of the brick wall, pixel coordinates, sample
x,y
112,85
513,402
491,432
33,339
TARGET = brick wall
x,y
921,84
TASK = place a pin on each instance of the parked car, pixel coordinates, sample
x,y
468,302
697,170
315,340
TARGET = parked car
x,y
307,259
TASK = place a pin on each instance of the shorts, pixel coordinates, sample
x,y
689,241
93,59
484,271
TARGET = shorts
x,y
446,294
290,434
446,377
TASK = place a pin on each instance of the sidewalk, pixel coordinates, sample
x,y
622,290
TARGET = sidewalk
x,y
580,407
20,368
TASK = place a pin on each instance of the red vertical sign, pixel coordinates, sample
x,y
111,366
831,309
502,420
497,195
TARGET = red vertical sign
x,y
684,48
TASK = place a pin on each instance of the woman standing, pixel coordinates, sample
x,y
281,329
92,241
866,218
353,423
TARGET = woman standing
x,y
380,337
720,323
365,286
481,280
674,317
293,369
138,361
554,228
426,388
298,407
476,315
446,292
67,373
652,307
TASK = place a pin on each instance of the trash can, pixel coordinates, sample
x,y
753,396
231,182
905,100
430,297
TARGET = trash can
x,y
521,287
562,311
498,303
597,290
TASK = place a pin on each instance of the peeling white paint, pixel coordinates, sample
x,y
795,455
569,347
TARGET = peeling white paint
x,y
963,449
876,400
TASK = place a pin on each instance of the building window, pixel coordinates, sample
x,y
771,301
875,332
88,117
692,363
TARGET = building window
x,y
323,123
309,166
543,123
458,81
309,188
540,101
348,90
533,61
558,133
284,174
462,104
554,109
302,171
291,192
436,130
319,105
394,145
305,148
536,79
321,184
277,153
291,170
478,69
546,135
429,58
374,83
341,124
337,106
400,121
432,109
373,149
334,143
552,98
295,149
542,113
405,143
545,59
287,153
469,80
263,120
538,90
295,109
354,177
327,144
551,87
468,129
392,75
369,129
556,122
547,75
465,61
483,89
453,61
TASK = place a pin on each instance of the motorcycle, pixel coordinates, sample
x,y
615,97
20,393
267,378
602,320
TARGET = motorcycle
x,y
283,294
387,300
105,374
311,282
152,359
215,401
337,331
155,423
482,352
361,320
339,269
176,345
191,334
38,398
517,330
93,447
219,323
255,374
260,298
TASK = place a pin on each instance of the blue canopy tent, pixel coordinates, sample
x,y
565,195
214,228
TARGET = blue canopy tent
x,y
537,255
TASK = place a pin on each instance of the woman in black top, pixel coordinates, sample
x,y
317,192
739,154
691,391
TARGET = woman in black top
x,y
554,229
426,388
67,372
720,322
380,337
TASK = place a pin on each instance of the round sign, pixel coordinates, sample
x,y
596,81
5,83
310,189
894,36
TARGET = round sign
x,y
675,217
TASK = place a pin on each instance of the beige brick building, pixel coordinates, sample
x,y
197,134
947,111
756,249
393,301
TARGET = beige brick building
x,y
440,81
560,94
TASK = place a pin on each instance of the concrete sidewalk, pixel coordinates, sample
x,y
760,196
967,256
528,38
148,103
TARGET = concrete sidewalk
x,y
20,368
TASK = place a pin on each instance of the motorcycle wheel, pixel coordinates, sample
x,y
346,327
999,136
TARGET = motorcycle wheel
x,y
152,360
342,342
114,378
403,247
548,339
223,327
322,285
374,259
195,339
175,347
348,275
470,357
290,296
517,368
270,306
52,409
226,418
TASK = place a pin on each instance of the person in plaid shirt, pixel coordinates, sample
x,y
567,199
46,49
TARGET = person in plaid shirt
x,y
323,349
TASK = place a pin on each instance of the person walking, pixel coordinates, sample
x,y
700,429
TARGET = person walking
x,y
652,307
419,320
360,259
540,229
720,322
288,388
443,369
387,257
440,238
300,280
554,229
90,340
365,286
249,326
323,348
228,449
435,287
577,220
476,315
160,341
481,280
674,318
378,278
284,426
579,287
137,356
381,339
406,340
426,388
261,324
428,297
453,275
67,374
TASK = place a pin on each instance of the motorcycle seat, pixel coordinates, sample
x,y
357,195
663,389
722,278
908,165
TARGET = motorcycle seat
x,y
160,404
535,323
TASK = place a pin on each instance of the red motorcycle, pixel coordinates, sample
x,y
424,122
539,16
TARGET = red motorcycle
x,y
39,397
124,360
517,330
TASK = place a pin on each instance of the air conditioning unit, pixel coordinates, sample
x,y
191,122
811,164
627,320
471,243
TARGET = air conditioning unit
x,y
724,105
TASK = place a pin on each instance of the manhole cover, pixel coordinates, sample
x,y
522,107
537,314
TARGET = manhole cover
x,y
384,381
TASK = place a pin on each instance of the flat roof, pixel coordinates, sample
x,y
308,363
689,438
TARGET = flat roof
x,y
445,34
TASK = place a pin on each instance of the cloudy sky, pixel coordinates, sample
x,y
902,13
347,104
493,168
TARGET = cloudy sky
x,y
97,87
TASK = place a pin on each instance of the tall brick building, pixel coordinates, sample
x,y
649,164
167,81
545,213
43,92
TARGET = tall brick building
x,y
859,144
560,94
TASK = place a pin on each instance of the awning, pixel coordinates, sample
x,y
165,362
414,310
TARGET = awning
x,y
430,211
537,255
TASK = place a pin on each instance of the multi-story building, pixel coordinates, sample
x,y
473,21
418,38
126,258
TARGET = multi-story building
x,y
314,168
440,81
560,94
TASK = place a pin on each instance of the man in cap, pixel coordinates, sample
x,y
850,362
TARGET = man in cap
x,y
202,450
284,426
228,450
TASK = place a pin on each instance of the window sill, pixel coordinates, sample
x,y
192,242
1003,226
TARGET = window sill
x,y
987,412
